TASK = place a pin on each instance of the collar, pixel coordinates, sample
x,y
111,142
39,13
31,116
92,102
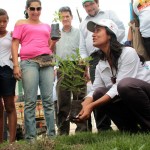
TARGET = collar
x,y
67,31
104,64
99,12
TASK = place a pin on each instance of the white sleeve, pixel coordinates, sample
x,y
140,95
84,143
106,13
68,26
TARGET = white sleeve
x,y
135,7
82,46
97,82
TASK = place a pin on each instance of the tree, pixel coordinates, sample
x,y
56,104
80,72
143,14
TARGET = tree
x,y
72,72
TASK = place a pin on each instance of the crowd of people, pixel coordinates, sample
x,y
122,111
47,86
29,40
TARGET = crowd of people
x,y
120,80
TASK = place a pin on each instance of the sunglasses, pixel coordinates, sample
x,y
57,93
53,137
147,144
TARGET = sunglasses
x,y
35,8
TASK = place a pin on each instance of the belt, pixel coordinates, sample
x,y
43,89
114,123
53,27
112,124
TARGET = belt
x,y
94,54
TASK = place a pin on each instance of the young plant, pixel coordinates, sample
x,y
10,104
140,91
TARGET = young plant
x,y
57,17
55,32
73,73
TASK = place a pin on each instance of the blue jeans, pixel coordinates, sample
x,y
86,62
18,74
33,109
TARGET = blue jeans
x,y
32,77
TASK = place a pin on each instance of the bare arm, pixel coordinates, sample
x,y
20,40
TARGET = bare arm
x,y
130,34
16,68
52,45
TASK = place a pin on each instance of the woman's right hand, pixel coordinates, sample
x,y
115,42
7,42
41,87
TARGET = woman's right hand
x,y
85,113
82,114
17,72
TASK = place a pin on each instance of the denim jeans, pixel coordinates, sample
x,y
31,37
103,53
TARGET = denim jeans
x,y
32,77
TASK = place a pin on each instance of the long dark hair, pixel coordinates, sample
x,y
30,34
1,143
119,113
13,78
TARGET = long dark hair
x,y
28,3
115,49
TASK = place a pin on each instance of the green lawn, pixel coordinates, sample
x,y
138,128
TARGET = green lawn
x,y
110,140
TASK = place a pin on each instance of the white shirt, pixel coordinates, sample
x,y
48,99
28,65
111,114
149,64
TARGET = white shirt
x,y
142,10
86,41
68,43
5,50
129,65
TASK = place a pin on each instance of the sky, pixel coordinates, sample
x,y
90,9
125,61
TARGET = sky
x,y
15,9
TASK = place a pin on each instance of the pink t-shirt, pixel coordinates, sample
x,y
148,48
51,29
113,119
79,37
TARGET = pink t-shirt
x,y
34,39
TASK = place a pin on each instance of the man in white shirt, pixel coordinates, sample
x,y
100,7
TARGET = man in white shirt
x,y
87,49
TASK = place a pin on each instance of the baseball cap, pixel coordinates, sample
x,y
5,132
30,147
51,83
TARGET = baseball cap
x,y
84,1
104,23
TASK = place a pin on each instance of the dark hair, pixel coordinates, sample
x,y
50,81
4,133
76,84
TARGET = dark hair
x,y
115,49
96,1
28,3
65,9
3,12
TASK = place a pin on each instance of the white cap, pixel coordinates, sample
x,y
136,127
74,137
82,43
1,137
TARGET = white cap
x,y
104,23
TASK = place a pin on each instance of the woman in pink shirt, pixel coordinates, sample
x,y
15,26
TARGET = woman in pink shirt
x,y
34,37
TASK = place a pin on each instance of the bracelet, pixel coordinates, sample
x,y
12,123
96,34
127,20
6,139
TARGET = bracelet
x,y
16,66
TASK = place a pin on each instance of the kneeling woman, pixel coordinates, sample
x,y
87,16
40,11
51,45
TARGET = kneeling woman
x,y
122,83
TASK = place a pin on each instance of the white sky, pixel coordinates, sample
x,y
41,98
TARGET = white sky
x,y
15,9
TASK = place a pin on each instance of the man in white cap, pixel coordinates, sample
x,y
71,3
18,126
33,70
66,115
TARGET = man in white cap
x,y
87,49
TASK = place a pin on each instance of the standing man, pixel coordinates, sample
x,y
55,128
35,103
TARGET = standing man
x,y
142,10
87,49
66,46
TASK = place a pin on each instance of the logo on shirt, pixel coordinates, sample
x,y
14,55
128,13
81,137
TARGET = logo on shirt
x,y
143,4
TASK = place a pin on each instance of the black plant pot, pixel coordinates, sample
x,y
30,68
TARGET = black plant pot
x,y
75,109
55,32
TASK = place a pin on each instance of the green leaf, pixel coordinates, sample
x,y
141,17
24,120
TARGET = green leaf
x,y
72,71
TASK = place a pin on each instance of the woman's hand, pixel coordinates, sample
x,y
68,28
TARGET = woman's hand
x,y
17,72
86,74
52,44
85,113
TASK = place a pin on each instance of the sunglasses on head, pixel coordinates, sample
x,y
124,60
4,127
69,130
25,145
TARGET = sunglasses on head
x,y
35,8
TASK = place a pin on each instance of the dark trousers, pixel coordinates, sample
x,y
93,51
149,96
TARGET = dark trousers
x,y
130,111
147,45
103,122
64,106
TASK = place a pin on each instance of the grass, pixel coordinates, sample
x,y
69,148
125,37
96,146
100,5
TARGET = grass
x,y
110,140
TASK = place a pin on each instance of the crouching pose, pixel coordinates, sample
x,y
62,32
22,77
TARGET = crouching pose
x,y
122,82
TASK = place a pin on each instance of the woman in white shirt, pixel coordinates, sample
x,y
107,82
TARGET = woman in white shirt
x,y
122,83
7,80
